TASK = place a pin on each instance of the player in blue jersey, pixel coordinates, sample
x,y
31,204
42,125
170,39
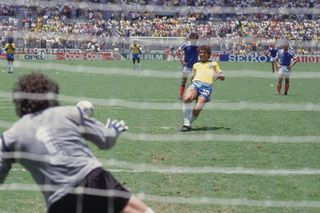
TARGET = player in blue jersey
x,y
188,56
273,53
285,60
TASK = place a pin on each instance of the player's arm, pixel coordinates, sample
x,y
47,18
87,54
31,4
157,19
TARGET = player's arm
x,y
277,64
294,61
5,163
103,136
218,74
180,56
277,61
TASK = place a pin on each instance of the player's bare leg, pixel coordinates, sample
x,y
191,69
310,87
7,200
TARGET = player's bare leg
x,y
273,64
134,64
286,87
134,205
182,87
139,64
279,84
201,101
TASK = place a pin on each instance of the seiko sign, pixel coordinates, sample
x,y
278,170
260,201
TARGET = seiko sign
x,y
249,58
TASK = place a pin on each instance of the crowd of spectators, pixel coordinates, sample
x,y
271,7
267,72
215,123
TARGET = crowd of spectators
x,y
212,3
67,26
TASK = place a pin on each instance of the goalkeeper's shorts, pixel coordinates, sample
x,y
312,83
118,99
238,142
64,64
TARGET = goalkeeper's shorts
x,y
88,203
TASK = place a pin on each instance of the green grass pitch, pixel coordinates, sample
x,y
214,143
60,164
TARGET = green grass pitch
x,y
234,133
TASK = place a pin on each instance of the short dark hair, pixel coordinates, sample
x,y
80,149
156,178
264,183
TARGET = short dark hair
x,y
34,83
205,48
10,40
193,35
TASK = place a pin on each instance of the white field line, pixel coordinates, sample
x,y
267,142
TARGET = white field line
x,y
147,168
128,167
196,138
172,199
230,202
144,168
218,138
154,73
215,105
7,108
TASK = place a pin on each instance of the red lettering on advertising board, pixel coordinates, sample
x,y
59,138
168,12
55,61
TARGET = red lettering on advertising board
x,y
92,56
3,56
59,56
88,56
106,56
309,59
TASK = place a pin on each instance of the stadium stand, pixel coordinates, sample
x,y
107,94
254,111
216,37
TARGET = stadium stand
x,y
66,26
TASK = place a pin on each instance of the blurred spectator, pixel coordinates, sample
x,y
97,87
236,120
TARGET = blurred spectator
x,y
68,26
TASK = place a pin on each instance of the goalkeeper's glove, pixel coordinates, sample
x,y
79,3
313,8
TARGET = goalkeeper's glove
x,y
118,126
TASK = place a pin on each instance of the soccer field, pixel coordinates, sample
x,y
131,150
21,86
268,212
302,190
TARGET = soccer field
x,y
250,150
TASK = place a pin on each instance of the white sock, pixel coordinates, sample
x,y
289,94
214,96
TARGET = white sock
x,y
187,111
139,66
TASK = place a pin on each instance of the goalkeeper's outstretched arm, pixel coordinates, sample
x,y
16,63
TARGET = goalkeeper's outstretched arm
x,y
103,136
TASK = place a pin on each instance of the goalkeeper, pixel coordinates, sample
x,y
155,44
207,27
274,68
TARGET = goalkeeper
x,y
49,141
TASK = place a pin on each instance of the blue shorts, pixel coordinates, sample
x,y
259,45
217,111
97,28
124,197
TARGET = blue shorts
x,y
135,56
10,57
202,89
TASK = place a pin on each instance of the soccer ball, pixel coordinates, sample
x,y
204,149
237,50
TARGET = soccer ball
x,y
86,107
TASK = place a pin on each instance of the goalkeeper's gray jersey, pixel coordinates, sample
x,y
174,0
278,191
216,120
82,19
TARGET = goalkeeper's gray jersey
x,y
51,146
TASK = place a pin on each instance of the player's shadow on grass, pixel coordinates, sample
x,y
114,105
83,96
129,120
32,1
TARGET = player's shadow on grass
x,y
206,128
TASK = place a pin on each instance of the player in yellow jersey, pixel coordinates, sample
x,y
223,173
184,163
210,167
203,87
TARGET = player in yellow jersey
x,y
10,51
204,73
136,52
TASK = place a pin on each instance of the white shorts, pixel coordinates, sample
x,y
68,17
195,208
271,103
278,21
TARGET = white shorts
x,y
284,71
272,59
186,71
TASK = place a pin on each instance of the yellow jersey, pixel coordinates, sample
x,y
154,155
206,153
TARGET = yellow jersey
x,y
10,48
204,71
135,48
